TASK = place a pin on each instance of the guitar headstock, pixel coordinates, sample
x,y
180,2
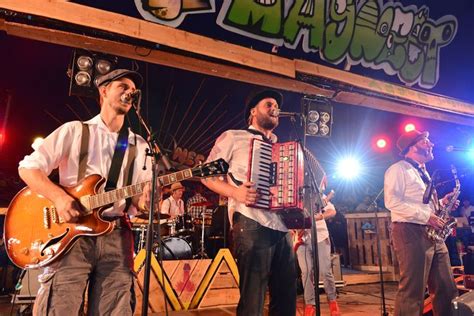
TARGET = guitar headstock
x,y
210,169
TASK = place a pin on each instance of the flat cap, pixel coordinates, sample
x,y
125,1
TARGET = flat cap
x,y
117,74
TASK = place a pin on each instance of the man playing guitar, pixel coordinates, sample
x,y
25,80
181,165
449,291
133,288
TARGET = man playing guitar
x,y
103,263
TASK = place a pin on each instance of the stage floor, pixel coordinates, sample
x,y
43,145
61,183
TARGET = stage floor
x,y
354,300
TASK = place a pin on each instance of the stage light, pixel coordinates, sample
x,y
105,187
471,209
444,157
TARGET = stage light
x,y
84,63
381,143
87,66
103,66
318,116
409,127
348,168
82,78
313,116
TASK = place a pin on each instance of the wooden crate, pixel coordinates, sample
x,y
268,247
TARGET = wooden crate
x,y
363,242
189,284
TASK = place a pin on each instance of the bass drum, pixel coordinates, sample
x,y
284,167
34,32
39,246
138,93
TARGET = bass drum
x,y
174,248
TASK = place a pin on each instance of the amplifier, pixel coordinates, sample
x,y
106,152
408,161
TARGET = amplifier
x,y
29,288
463,305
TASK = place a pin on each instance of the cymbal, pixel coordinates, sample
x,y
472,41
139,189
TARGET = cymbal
x,y
146,216
205,203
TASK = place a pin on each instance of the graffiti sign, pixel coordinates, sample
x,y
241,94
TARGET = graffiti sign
x,y
400,40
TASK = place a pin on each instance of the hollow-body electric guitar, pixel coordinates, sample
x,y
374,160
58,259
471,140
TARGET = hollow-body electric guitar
x,y
35,235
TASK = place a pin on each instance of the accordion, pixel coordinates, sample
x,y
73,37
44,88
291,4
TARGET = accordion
x,y
281,178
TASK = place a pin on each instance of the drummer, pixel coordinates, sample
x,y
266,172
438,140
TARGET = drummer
x,y
174,205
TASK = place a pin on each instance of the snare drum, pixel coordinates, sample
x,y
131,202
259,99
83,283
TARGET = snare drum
x,y
174,248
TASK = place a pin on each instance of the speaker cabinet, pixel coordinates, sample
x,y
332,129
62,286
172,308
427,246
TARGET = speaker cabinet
x,y
463,305
29,288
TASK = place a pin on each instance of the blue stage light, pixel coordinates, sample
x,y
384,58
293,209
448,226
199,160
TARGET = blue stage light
x,y
348,168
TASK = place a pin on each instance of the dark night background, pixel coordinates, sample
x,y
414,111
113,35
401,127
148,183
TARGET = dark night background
x,y
191,110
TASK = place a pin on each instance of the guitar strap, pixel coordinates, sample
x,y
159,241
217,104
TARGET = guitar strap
x,y
117,159
430,193
83,153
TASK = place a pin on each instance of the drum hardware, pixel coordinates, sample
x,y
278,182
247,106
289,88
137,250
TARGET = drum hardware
x,y
184,225
202,251
142,240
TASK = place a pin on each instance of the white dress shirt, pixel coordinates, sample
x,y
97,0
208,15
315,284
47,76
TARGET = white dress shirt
x,y
403,194
172,207
233,146
62,147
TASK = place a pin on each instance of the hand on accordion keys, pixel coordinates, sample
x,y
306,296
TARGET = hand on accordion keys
x,y
245,193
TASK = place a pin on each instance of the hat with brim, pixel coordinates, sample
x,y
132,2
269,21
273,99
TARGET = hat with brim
x,y
256,96
117,74
176,186
408,139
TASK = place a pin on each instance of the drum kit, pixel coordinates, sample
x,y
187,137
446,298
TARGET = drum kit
x,y
182,237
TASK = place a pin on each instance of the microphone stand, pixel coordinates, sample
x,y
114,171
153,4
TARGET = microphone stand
x,y
315,200
379,253
156,154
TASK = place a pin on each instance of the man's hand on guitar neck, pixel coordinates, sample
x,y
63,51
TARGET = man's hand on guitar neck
x,y
67,208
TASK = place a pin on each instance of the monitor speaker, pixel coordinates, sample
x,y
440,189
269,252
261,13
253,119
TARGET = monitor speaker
x,y
463,305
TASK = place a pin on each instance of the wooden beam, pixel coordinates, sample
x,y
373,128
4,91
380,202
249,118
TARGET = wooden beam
x,y
258,77
144,30
399,107
407,95
162,58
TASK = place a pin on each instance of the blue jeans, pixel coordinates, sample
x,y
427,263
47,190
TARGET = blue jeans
x,y
305,261
265,258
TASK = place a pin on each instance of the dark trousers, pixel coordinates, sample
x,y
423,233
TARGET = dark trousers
x,y
265,258
422,262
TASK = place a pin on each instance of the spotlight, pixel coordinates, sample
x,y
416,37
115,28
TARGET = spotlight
x,y
381,143
318,116
83,78
103,66
87,66
313,116
409,127
84,63
348,168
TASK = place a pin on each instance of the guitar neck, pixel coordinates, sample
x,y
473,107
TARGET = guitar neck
x,y
109,197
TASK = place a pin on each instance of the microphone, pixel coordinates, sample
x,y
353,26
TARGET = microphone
x,y
279,113
133,96
452,148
